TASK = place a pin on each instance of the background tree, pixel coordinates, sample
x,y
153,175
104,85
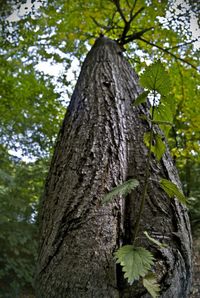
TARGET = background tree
x,y
69,28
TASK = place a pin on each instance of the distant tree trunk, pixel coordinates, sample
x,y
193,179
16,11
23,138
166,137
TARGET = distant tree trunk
x,y
100,145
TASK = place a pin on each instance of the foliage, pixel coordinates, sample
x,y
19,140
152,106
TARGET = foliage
x,y
159,146
26,100
164,114
20,188
172,190
59,28
157,81
194,205
155,78
142,98
150,283
135,261
190,177
121,190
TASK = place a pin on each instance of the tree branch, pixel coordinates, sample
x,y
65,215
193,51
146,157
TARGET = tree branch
x,y
117,4
182,44
167,52
132,17
128,4
107,28
136,35
126,23
133,7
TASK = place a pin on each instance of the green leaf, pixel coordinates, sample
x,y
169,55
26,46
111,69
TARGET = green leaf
x,y
156,78
163,114
172,190
156,242
121,190
150,283
135,261
158,149
147,138
141,98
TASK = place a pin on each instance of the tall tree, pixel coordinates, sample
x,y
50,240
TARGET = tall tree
x,y
99,146
31,110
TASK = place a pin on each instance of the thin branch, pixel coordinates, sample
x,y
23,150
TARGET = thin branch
x,y
182,44
135,2
136,35
147,174
133,7
107,28
110,26
128,4
117,4
167,52
126,23
136,14
111,21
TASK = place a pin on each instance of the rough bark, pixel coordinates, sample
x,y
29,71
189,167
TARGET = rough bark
x,y
195,293
99,146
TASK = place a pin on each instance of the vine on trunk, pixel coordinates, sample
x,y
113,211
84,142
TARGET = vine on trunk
x,y
137,262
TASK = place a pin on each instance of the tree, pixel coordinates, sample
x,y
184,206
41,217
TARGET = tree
x,y
20,189
31,110
100,145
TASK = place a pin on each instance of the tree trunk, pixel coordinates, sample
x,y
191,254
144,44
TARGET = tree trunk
x,y
100,145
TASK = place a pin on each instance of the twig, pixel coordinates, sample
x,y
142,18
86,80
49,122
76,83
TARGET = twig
x,y
117,4
128,4
136,35
132,9
147,176
127,24
132,17
167,52
182,44
107,28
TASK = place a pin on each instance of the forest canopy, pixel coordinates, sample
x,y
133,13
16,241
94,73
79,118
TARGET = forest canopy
x,y
58,34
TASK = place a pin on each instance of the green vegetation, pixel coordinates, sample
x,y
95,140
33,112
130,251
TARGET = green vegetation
x,y
21,186
33,104
136,261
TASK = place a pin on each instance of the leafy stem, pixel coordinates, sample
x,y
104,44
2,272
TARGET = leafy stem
x,y
137,261
147,175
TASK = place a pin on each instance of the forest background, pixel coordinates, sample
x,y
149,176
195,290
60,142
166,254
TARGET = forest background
x,y
42,47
